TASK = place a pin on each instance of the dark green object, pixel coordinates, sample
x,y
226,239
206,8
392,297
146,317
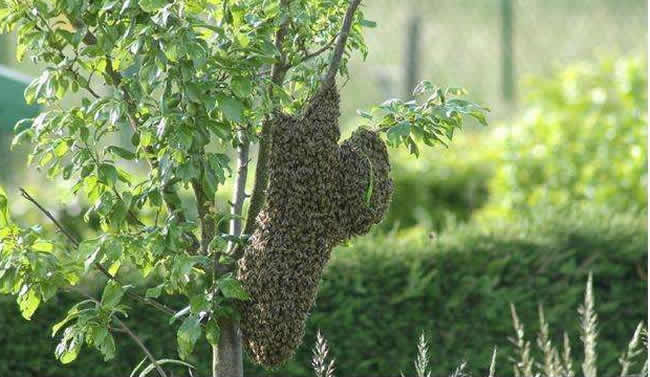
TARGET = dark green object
x,y
12,101
378,295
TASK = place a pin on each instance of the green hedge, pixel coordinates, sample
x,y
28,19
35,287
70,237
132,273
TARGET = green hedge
x,y
380,293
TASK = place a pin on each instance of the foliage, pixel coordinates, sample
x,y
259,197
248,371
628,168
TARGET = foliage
x,y
583,138
187,79
456,287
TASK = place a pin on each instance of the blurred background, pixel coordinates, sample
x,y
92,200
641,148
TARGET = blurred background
x,y
519,212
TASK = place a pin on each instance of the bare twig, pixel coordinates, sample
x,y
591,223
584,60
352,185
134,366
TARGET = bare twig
x,y
141,345
49,215
310,55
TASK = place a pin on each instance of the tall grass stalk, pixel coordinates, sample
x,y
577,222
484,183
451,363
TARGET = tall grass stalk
x,y
589,331
524,365
319,362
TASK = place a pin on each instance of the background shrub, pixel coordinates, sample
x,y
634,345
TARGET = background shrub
x,y
380,293
583,137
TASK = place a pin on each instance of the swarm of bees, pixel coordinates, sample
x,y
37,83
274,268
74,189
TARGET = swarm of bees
x,y
320,194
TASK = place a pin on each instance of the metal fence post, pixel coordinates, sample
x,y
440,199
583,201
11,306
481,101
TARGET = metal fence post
x,y
507,63
412,55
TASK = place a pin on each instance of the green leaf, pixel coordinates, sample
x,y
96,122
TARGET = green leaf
x,y
402,129
155,291
112,294
368,23
151,5
231,107
232,288
212,332
28,303
364,114
104,342
42,245
187,335
199,303
121,152
241,86
107,174
4,208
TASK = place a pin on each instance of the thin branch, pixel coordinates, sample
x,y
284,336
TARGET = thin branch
x,y
340,44
239,192
309,55
141,345
49,215
99,266
125,329
203,203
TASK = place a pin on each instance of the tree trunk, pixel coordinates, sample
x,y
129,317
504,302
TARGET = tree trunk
x,y
227,358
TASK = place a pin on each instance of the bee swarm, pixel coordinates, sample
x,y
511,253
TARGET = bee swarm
x,y
320,193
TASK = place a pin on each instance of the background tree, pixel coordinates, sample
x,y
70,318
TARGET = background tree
x,y
188,81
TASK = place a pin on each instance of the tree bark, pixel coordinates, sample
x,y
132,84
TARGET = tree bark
x,y
227,357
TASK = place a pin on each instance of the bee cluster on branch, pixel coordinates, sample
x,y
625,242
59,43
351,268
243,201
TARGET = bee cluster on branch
x,y
320,194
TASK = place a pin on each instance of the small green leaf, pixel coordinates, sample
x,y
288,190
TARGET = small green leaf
x,y
4,208
232,288
151,5
212,332
187,335
402,129
112,295
368,23
199,303
107,174
231,107
121,152
155,291
42,245
241,86
28,303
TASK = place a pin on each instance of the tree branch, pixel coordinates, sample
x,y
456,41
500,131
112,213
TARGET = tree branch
x,y
141,345
309,55
49,215
278,72
340,44
99,266
239,193
203,204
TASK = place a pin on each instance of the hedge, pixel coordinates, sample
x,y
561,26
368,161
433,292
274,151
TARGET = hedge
x,y
381,292
442,186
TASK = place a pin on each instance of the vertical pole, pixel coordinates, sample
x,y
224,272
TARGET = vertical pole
x,y
4,49
412,55
507,63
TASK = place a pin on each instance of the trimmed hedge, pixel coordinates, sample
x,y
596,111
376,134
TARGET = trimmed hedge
x,y
379,294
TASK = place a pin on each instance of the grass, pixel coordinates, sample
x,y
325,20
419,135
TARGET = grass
x,y
552,363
